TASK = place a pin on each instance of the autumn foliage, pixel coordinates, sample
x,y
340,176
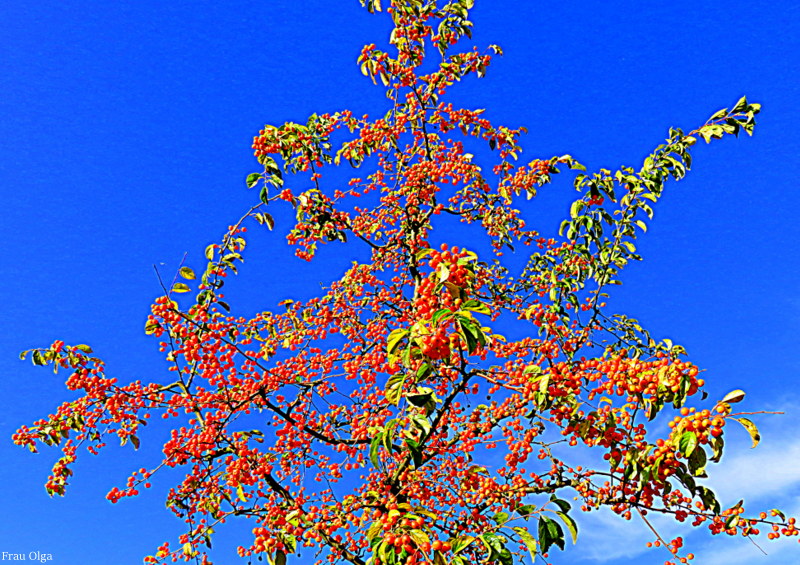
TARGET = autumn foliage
x,y
389,420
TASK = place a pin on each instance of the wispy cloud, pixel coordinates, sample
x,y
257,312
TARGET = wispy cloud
x,y
766,477
605,537
722,550
771,469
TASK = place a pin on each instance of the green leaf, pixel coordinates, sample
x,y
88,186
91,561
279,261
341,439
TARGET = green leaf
x,y
38,358
423,371
530,541
180,288
471,332
373,451
422,253
688,443
416,453
572,526
563,505
187,273
740,105
394,388
468,335
422,423
445,313
494,544
500,518
751,429
719,114
575,165
388,434
461,543
685,478
697,462
525,510
374,530
240,493
393,341
544,382
420,397
550,533
476,306
252,179
84,348
266,219
717,445
709,499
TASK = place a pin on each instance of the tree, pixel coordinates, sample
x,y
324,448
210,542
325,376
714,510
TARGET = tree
x,y
388,392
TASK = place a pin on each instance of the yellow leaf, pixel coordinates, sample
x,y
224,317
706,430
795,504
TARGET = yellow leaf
x,y
733,397
751,429
187,273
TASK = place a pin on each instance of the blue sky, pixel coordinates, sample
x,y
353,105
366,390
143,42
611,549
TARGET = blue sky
x,y
125,138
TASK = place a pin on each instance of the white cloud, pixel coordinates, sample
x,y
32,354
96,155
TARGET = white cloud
x,y
604,536
771,469
758,474
766,477
723,550
743,552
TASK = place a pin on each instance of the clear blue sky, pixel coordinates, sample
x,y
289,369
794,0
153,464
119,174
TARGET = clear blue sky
x,y
125,131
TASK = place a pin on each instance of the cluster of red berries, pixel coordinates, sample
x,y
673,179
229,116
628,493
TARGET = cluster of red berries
x,y
407,535
703,423
445,288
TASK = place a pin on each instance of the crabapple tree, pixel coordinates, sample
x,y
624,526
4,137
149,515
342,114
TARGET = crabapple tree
x,y
388,420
